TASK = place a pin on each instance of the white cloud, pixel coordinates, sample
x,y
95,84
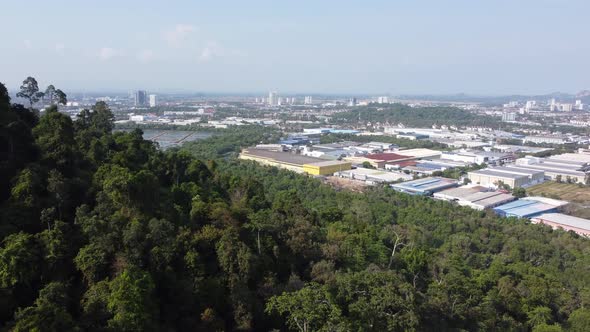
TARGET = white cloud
x,y
27,43
145,56
214,50
59,48
179,34
107,53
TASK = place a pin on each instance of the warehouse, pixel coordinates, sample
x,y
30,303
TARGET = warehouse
x,y
478,198
568,223
294,162
373,176
426,186
555,169
421,153
513,176
577,157
327,167
529,207
377,160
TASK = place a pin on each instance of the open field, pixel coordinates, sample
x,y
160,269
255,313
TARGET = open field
x,y
564,191
579,197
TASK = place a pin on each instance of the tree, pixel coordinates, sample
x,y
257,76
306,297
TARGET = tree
x,y
579,320
30,91
55,95
260,221
49,313
55,138
308,309
367,164
102,118
19,260
130,301
519,192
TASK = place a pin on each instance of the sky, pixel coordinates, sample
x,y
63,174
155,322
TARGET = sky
x,y
485,47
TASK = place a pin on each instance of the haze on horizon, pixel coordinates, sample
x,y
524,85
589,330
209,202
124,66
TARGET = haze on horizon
x,y
487,47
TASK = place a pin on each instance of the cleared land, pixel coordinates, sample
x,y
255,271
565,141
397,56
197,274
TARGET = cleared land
x,y
579,197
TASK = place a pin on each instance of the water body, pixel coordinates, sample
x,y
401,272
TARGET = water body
x,y
170,138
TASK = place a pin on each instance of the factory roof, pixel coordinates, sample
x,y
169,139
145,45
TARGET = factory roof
x,y
529,207
565,220
388,156
494,200
579,157
420,153
328,163
492,172
425,185
285,157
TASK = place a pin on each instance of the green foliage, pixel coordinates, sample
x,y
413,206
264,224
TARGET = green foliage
x,y
130,301
19,260
414,116
308,309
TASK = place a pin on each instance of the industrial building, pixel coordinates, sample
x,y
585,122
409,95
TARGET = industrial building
x,y
373,176
294,162
426,186
327,167
478,157
555,169
513,176
477,197
565,222
529,207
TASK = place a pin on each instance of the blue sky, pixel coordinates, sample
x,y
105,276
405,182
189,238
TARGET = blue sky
x,y
397,46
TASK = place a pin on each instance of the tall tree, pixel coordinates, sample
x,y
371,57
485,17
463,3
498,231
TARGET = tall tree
x,y
55,95
30,91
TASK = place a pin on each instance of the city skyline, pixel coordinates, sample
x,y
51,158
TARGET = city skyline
x,y
488,48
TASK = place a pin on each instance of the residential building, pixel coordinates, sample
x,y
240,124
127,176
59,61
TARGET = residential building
x,y
153,101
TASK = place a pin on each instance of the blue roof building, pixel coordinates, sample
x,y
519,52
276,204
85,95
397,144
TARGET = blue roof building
x,y
425,187
529,207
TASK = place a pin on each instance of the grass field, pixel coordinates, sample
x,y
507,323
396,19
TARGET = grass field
x,y
579,197
565,191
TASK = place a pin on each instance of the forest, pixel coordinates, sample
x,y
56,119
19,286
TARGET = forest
x,y
103,231
394,114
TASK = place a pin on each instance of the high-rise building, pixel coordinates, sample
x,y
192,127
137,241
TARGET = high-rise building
x,y
308,100
552,105
579,106
352,102
383,100
273,98
140,98
153,102
508,116
566,107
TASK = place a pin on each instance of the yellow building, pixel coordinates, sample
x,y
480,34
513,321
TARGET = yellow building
x,y
295,162
328,167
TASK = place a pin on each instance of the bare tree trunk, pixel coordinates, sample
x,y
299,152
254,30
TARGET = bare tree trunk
x,y
397,242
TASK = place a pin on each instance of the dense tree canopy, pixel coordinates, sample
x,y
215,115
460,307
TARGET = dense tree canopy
x,y
103,231
414,116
